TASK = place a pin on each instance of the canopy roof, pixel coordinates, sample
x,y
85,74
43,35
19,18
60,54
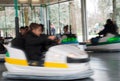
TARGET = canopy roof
x,y
34,2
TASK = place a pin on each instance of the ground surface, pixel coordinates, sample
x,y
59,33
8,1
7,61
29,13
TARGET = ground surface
x,y
106,67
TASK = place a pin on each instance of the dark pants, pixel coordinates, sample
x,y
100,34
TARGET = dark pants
x,y
95,40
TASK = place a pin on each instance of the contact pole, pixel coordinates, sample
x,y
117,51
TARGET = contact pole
x,y
16,18
114,11
84,20
59,17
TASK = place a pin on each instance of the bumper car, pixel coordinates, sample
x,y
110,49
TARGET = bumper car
x,y
69,39
61,62
111,44
2,52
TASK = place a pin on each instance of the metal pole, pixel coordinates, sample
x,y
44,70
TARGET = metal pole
x,y
45,19
48,18
84,20
23,15
114,10
5,24
26,16
16,18
34,10
59,17
70,18
40,15
69,14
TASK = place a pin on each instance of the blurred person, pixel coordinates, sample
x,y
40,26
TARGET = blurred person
x,y
53,31
42,28
27,29
110,30
34,42
66,30
22,31
109,27
18,42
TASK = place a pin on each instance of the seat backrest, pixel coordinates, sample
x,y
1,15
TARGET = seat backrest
x,y
15,53
2,48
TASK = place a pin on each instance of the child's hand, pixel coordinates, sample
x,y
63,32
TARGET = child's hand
x,y
52,37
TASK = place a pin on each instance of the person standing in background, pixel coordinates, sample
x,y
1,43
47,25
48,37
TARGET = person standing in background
x,y
53,31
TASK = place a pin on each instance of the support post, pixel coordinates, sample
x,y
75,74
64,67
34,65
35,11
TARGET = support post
x,y
23,15
6,28
72,16
16,18
114,11
41,15
84,20
48,20
45,19
59,17
26,18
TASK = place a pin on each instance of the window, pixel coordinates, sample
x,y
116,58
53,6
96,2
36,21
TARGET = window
x,y
7,24
98,11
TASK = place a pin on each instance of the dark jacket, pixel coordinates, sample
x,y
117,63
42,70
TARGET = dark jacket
x,y
18,42
34,45
109,28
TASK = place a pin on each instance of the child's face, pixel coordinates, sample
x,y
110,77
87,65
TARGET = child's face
x,y
22,31
37,31
65,30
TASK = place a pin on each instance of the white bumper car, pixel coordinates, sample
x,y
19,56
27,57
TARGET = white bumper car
x,y
108,43
62,62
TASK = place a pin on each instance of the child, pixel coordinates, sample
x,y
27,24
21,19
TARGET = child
x,y
65,29
18,42
109,27
22,31
34,42
110,30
